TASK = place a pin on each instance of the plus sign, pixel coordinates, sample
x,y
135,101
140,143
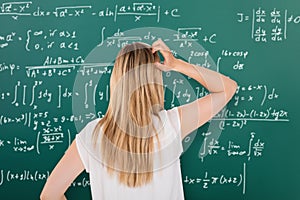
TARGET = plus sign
x,y
166,12
205,39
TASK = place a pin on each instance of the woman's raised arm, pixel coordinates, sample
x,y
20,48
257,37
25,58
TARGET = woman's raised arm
x,y
198,112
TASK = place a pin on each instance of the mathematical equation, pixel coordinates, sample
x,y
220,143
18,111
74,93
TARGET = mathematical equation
x,y
26,175
52,131
206,181
260,20
49,139
184,37
259,93
24,94
137,10
41,40
211,146
22,176
38,91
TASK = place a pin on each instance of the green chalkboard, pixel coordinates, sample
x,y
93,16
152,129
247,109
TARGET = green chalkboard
x,y
56,59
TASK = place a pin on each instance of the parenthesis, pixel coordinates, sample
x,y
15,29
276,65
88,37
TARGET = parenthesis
x,y
83,182
243,123
268,111
27,40
221,125
1,178
241,180
1,119
245,113
221,181
226,113
37,142
218,63
25,121
7,175
265,95
94,94
251,113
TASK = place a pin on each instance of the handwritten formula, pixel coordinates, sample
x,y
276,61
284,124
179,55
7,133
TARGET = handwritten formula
x,y
46,65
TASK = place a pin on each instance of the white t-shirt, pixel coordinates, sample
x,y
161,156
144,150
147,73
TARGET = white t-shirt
x,y
166,183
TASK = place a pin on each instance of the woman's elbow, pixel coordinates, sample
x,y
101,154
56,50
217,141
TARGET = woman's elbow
x,y
234,86
231,89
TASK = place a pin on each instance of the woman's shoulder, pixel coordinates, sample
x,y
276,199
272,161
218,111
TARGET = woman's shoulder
x,y
171,115
92,124
86,133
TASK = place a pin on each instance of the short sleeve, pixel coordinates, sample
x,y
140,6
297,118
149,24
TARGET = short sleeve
x,y
169,142
84,143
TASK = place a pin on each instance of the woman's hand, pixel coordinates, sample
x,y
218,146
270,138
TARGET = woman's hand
x,y
170,62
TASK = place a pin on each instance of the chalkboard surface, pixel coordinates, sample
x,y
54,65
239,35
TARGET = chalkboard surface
x,y
56,59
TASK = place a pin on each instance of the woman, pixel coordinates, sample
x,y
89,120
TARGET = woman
x,y
133,151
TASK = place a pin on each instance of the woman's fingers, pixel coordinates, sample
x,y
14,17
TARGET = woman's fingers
x,y
161,67
159,45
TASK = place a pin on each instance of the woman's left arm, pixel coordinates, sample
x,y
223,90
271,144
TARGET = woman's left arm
x,y
64,173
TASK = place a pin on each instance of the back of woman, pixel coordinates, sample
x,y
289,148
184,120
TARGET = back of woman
x,y
133,151
166,180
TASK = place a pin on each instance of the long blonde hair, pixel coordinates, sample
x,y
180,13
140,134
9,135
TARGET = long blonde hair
x,y
128,132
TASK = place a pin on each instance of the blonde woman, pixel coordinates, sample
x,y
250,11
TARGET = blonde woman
x,y
133,151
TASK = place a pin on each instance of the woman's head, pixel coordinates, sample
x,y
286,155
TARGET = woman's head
x,y
133,56
128,132
136,82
